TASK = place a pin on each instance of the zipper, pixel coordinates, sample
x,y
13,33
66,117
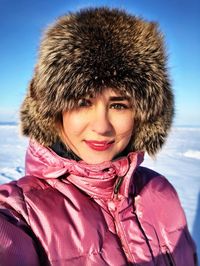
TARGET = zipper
x,y
119,228
122,237
117,186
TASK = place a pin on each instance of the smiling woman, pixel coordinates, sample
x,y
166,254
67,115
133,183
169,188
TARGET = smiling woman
x,y
100,128
99,99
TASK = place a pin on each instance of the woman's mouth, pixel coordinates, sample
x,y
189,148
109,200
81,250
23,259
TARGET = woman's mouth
x,y
99,145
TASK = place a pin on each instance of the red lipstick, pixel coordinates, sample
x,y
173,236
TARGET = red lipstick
x,y
99,145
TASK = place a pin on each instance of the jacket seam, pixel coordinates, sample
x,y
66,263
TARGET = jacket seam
x,y
120,226
25,204
77,257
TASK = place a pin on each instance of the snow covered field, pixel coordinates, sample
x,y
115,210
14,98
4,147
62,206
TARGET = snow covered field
x,y
179,161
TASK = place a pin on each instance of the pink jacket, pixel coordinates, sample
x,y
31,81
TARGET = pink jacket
x,y
65,212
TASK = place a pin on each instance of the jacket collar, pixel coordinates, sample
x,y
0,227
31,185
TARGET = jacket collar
x,y
97,180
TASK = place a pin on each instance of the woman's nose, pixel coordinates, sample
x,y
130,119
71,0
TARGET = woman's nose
x,y
101,123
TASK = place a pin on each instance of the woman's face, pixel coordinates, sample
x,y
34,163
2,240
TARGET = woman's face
x,y
99,128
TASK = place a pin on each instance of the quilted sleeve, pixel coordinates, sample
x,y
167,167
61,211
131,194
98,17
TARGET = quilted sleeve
x,y
17,245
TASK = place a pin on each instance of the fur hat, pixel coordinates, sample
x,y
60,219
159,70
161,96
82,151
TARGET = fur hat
x,y
83,53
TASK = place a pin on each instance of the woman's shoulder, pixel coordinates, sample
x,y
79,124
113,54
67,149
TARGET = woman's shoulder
x,y
12,194
154,191
24,184
148,179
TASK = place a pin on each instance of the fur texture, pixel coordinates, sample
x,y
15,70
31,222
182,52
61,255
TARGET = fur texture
x,y
82,53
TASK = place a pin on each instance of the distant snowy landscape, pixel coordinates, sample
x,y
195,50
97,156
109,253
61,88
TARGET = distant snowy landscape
x,y
179,161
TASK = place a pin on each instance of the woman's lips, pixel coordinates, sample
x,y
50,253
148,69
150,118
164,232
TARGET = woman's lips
x,y
99,145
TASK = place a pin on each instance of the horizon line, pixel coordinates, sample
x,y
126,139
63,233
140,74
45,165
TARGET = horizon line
x,y
15,123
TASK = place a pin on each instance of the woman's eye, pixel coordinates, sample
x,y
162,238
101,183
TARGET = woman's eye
x,y
84,103
119,106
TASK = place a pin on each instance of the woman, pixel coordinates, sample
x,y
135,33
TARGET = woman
x,y
100,97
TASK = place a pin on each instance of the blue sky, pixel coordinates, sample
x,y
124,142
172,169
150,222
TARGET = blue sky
x,y
22,23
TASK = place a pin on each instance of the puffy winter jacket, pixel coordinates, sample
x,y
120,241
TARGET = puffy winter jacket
x,y
65,212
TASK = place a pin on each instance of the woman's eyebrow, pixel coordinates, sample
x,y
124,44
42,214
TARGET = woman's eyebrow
x,y
119,98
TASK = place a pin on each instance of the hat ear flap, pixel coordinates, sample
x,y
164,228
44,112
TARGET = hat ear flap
x,y
34,122
150,135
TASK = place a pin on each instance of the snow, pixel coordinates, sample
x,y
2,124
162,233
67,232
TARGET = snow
x,y
179,161
192,154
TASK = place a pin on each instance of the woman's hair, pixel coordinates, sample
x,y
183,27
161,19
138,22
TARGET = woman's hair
x,y
85,52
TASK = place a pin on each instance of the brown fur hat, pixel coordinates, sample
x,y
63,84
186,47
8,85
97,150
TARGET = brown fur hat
x,y
83,53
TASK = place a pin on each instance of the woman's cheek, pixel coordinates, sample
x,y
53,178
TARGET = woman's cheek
x,y
77,123
125,124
